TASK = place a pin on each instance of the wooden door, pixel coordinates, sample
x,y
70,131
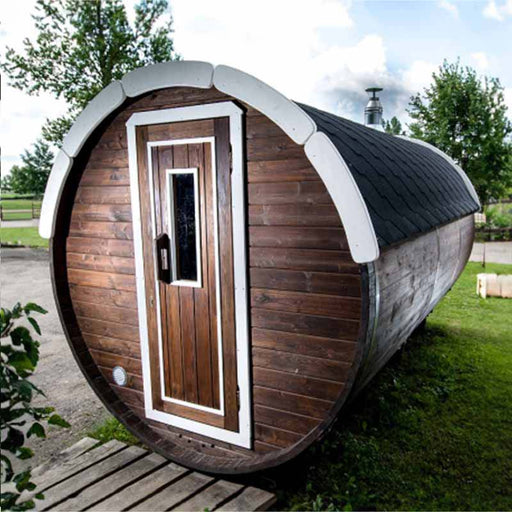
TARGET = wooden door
x,y
187,199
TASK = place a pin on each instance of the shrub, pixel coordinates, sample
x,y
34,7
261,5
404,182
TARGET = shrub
x,y
19,419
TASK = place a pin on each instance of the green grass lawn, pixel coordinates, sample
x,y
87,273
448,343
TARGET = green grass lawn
x,y
11,203
433,431
22,236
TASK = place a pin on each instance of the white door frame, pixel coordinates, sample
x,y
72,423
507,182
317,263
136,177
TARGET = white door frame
x,y
207,111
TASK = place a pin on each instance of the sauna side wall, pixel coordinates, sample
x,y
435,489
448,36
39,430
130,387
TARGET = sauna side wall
x,y
410,279
305,290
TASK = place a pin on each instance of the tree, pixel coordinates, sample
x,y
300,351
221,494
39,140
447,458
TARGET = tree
x,y
5,183
394,127
31,177
81,47
466,117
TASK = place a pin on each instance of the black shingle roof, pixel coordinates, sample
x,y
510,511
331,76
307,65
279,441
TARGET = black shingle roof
x,y
408,188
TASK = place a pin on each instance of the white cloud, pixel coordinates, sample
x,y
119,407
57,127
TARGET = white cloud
x,y
275,40
447,5
481,60
498,11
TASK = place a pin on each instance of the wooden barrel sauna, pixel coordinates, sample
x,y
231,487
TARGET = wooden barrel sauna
x,y
230,266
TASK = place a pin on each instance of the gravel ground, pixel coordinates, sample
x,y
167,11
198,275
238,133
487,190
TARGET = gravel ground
x,y
25,278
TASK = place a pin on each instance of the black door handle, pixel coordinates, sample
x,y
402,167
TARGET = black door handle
x,y
163,256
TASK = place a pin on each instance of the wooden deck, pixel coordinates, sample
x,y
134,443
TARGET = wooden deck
x,y
114,477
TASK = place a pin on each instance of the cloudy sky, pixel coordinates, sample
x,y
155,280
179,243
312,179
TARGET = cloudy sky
x,y
322,52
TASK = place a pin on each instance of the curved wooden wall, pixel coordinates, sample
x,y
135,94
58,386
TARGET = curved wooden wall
x,y
306,293
411,278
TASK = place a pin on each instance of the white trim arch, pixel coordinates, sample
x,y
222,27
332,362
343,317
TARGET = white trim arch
x,y
296,123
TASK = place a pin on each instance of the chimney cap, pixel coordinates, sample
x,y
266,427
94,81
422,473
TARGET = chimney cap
x,y
373,90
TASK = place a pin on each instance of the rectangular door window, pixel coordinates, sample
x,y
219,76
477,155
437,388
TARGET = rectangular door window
x,y
182,188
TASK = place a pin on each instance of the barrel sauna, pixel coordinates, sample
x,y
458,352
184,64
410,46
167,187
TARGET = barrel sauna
x,y
230,266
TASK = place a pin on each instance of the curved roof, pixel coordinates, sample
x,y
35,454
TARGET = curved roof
x,y
408,187
374,193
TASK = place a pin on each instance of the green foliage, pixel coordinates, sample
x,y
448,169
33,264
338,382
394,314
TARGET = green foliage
x,y
466,117
19,419
81,47
394,127
499,215
31,177
433,430
5,184
112,429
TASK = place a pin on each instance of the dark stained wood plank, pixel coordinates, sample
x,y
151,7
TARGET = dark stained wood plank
x,y
274,148
346,285
111,177
106,297
284,420
103,195
268,171
275,436
297,364
110,360
290,402
322,215
106,247
181,130
298,237
315,346
108,157
114,264
307,303
305,324
108,329
289,193
119,230
226,271
102,212
106,280
295,382
113,314
203,322
126,348
303,259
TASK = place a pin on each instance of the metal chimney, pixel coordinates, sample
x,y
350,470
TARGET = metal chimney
x,y
373,110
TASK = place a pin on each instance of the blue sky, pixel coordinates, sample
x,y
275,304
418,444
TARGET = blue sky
x,y
321,52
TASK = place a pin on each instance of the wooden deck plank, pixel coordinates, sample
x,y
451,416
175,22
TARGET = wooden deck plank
x,y
251,498
67,488
140,490
76,465
211,497
110,485
74,451
176,493
115,477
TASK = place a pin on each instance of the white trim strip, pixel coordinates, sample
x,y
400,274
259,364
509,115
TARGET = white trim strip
x,y
96,110
198,140
244,436
60,170
278,108
168,74
346,195
463,175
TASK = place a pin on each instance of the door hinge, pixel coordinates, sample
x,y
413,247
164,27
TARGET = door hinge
x,y
238,398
